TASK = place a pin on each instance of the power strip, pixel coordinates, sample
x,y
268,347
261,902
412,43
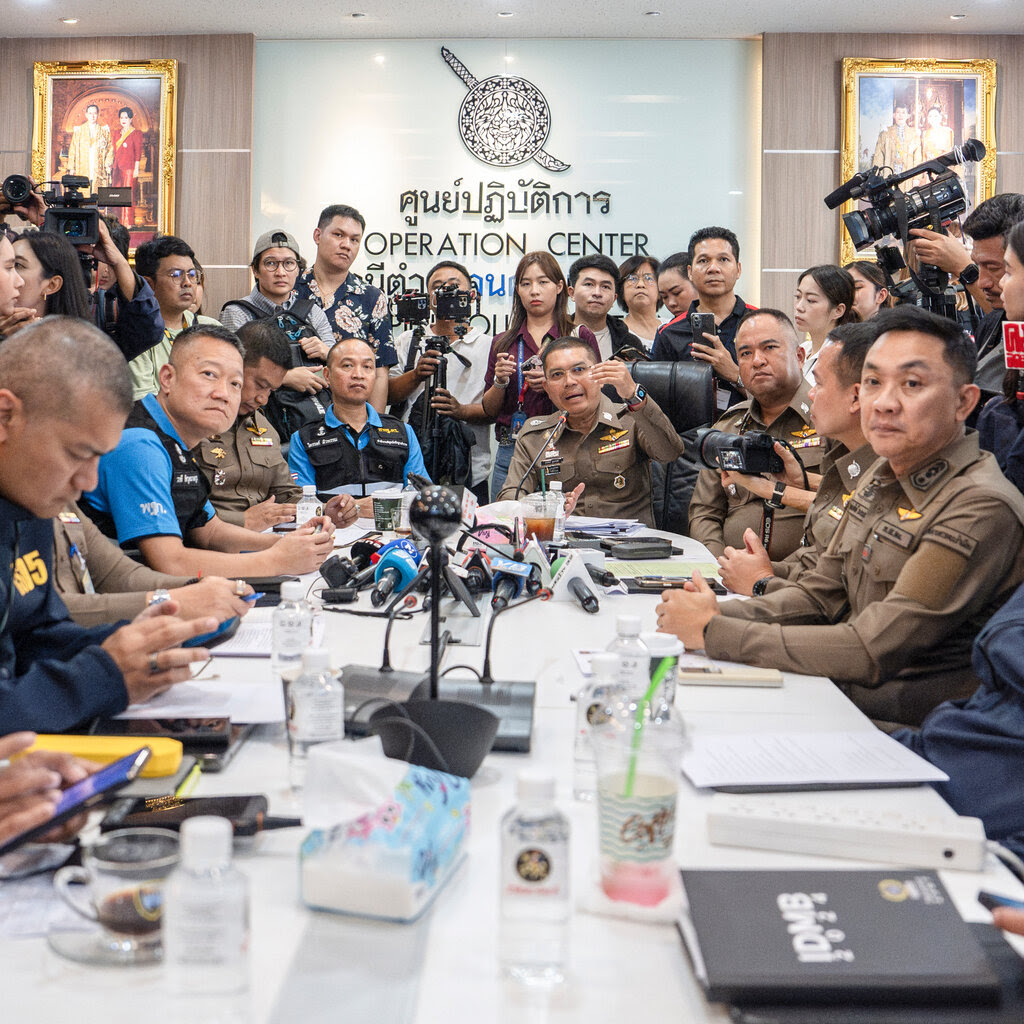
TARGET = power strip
x,y
811,825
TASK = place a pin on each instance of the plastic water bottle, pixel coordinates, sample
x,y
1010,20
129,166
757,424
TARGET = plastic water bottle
x,y
292,631
206,912
633,654
592,703
558,532
314,711
533,938
308,506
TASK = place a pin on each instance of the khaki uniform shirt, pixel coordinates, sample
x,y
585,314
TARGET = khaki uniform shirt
x,y
245,466
613,459
94,577
718,517
840,470
890,612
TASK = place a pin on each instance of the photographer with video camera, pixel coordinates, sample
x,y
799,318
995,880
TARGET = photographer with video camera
x,y
918,218
124,306
770,365
442,374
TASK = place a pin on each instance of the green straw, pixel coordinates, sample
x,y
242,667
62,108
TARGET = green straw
x,y
543,482
664,667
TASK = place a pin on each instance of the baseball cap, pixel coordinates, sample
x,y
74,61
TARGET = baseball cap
x,y
273,240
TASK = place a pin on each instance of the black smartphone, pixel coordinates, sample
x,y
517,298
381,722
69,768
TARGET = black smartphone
x,y
990,900
225,631
205,733
90,791
244,812
701,324
656,583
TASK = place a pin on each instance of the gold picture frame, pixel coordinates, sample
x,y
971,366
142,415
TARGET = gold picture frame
x,y
81,126
946,101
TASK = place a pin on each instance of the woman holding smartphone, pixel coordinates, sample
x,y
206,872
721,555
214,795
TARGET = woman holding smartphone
x,y
514,381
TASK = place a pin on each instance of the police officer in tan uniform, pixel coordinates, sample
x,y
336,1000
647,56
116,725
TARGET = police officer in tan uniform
x,y
928,548
770,360
603,453
99,583
835,413
250,483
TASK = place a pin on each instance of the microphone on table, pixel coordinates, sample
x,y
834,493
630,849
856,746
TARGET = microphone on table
x,y
570,581
396,569
510,579
368,572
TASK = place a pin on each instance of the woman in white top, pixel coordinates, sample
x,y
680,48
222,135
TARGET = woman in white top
x,y
824,297
638,296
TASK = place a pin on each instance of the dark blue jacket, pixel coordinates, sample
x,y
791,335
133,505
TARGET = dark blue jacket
x,y
1001,432
134,323
979,742
53,673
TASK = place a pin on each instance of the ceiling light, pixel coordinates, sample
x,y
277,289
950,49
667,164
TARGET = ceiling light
x,y
68,21
652,14
957,17
506,14
379,58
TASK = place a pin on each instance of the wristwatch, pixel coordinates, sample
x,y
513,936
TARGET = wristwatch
x,y
159,597
638,398
759,588
969,274
775,501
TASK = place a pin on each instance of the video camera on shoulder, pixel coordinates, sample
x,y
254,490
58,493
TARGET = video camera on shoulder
x,y
71,212
752,453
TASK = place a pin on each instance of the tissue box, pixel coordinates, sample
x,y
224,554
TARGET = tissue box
x,y
390,862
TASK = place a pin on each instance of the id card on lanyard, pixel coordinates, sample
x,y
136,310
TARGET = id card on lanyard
x,y
519,416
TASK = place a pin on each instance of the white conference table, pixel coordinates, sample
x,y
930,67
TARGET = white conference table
x,y
314,966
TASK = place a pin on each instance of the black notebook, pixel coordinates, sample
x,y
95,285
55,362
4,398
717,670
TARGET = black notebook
x,y
832,938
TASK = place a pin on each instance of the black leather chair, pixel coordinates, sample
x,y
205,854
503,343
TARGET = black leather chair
x,y
686,393
684,390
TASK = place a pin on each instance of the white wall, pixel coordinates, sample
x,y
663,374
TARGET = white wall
x,y
669,129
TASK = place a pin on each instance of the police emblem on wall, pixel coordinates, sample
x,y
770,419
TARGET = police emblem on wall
x,y
504,120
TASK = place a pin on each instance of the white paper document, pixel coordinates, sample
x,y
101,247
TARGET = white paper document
x,y
781,760
256,698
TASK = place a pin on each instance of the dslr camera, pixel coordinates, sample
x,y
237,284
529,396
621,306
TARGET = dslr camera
x,y
752,453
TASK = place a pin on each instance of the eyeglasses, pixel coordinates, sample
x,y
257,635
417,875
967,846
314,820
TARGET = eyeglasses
x,y
577,372
637,278
272,264
177,275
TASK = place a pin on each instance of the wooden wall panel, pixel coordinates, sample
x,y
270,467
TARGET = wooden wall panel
x,y
213,188
802,110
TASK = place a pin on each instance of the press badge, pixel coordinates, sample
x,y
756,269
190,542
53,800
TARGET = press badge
x,y
518,419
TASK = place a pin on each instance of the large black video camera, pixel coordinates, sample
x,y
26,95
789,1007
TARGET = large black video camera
x,y
752,453
70,213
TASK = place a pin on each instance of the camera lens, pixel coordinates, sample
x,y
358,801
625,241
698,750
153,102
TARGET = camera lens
x,y
75,227
16,188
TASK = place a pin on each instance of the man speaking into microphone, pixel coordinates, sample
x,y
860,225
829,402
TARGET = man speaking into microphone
x,y
603,453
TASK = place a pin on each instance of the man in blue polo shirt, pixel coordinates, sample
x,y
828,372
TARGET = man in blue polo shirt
x,y
353,450
152,494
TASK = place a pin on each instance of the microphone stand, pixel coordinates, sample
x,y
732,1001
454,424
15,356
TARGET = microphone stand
x,y
553,434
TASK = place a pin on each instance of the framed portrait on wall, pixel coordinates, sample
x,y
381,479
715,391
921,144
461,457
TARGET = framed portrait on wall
x,y
113,122
898,114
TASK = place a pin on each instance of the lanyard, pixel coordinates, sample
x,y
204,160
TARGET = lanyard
x,y
520,383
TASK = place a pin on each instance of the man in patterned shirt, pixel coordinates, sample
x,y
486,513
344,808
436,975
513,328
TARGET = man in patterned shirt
x,y
354,308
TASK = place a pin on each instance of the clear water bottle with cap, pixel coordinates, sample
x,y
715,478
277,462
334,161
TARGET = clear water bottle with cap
x,y
292,630
664,652
308,506
558,532
206,912
533,937
633,654
593,702
314,711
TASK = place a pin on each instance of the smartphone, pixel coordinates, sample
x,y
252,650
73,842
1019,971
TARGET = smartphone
x,y
205,733
675,583
225,631
244,812
989,900
87,793
701,324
